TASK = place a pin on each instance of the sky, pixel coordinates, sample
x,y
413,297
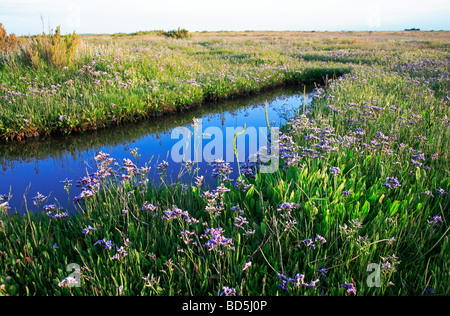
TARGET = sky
x,y
30,17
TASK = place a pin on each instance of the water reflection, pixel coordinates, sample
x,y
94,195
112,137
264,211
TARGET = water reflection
x,y
40,166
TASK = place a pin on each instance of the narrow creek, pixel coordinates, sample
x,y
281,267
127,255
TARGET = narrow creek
x,y
33,167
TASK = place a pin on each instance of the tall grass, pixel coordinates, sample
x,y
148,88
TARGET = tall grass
x,y
52,50
116,84
8,43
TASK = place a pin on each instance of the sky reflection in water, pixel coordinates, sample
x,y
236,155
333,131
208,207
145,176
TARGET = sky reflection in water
x,y
40,166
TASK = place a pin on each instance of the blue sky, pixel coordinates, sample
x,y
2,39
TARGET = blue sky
x,y
24,17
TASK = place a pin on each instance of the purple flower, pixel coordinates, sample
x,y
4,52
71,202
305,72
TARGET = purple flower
x,y
434,222
148,207
247,265
287,208
228,291
174,213
60,215
217,240
186,237
198,181
320,239
39,199
335,171
221,170
391,183
108,244
350,287
428,192
88,229
309,243
346,192
4,207
240,221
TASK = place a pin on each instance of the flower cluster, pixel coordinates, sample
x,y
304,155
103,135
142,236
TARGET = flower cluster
x,y
434,222
121,253
285,209
297,281
391,183
108,243
186,237
350,287
228,291
319,239
221,170
176,213
88,229
215,200
216,240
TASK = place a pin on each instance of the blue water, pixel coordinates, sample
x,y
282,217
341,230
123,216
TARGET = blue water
x,y
40,166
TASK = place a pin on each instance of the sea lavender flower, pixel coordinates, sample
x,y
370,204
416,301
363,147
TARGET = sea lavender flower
x,y
389,263
309,243
88,229
39,199
420,156
228,291
349,287
428,192
198,181
346,192
380,135
240,221
68,282
391,183
151,281
4,207
67,184
174,213
323,271
335,171
148,206
4,198
221,170
320,239
217,240
108,244
247,265
429,291
186,237
237,209
60,215
286,208
284,285
121,252
289,225
162,167
434,222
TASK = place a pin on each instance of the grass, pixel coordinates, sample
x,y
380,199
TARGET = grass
x,y
363,182
143,78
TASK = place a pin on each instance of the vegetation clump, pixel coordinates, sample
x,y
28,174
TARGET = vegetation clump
x,y
178,34
50,50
